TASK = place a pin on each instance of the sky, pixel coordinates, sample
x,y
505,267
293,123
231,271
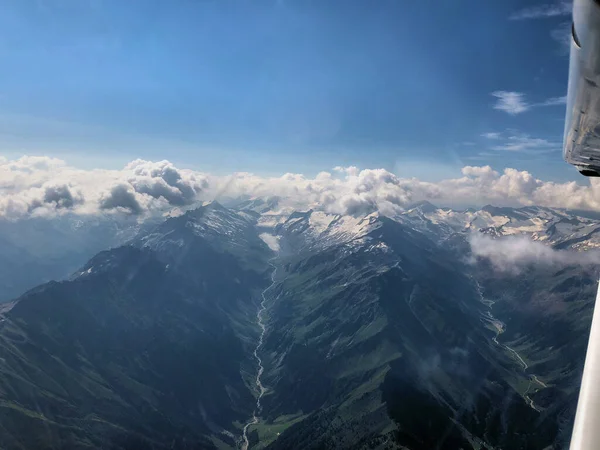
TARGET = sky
x,y
420,89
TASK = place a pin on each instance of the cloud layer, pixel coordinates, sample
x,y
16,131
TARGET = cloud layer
x,y
512,254
40,186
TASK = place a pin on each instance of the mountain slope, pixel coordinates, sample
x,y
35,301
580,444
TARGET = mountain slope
x,y
379,333
541,312
143,348
559,228
375,340
547,314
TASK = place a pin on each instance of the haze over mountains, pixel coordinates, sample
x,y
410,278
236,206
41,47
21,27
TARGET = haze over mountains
x,y
381,331
36,250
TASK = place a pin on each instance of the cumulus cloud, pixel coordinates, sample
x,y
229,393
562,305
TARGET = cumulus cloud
x,y
162,180
358,192
513,253
121,197
347,191
45,187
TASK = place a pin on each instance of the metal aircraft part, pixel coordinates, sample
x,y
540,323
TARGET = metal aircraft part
x,y
586,431
582,149
582,124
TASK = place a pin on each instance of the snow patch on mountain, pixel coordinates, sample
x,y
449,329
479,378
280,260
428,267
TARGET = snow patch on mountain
x,y
222,228
320,221
551,226
320,230
271,220
271,240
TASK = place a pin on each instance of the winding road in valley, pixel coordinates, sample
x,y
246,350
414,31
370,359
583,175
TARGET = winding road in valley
x,y
261,389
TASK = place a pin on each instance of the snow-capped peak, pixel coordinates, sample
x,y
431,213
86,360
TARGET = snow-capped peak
x,y
554,226
212,222
320,229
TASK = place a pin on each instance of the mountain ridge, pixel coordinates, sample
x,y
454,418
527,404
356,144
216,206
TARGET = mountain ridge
x,y
365,311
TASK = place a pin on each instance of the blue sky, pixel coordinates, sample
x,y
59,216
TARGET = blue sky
x,y
420,88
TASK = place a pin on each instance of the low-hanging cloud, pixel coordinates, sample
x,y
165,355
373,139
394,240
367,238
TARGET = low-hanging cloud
x,y
41,186
514,253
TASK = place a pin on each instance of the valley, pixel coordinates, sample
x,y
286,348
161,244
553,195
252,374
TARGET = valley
x,y
334,332
499,327
262,309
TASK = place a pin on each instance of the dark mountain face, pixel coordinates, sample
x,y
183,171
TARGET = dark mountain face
x,y
547,314
378,333
381,343
144,348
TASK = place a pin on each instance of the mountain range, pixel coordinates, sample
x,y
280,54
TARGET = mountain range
x,y
37,250
363,332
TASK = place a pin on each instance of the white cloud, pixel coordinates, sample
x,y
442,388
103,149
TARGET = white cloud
x,y
512,103
514,141
46,187
361,191
41,186
521,143
554,101
491,135
163,180
513,253
562,35
562,8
